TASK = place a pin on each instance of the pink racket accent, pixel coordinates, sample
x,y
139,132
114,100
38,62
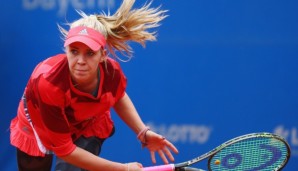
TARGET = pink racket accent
x,y
168,167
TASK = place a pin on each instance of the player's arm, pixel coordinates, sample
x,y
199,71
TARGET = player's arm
x,y
128,113
84,159
154,142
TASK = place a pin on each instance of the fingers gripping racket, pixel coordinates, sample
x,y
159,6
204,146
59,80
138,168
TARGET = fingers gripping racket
x,y
251,152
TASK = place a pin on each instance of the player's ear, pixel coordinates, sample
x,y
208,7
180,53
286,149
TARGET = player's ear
x,y
103,52
103,55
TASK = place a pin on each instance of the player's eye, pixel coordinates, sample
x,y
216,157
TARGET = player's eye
x,y
74,51
90,53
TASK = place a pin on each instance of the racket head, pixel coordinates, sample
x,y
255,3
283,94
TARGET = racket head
x,y
251,152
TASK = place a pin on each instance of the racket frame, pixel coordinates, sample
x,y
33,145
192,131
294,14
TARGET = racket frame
x,y
180,166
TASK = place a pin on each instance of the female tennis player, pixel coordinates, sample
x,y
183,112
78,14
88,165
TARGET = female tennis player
x,y
65,108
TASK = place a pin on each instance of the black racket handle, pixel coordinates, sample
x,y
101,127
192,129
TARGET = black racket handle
x,y
188,169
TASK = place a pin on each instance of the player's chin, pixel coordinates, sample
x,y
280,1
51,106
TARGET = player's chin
x,y
81,75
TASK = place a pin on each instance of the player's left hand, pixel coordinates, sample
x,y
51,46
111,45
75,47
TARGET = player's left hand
x,y
157,143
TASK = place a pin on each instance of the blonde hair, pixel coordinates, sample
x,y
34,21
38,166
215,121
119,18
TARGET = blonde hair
x,y
126,24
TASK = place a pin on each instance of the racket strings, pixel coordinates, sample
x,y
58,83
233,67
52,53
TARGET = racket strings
x,y
252,154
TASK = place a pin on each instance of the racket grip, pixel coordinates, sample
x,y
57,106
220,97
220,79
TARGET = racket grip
x,y
168,167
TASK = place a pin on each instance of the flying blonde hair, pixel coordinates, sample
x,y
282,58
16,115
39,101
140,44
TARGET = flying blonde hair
x,y
125,25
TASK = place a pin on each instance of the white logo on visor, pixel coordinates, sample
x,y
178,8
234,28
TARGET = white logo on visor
x,y
83,32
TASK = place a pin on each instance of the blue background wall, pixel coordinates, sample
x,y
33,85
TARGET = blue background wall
x,y
219,69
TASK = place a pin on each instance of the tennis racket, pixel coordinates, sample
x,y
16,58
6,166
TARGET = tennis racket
x,y
251,152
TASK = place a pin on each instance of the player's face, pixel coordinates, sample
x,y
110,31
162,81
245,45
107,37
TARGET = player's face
x,y
83,62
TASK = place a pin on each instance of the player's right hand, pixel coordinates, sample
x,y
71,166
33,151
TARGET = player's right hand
x,y
134,166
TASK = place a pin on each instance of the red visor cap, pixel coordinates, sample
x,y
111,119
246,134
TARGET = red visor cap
x,y
90,37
